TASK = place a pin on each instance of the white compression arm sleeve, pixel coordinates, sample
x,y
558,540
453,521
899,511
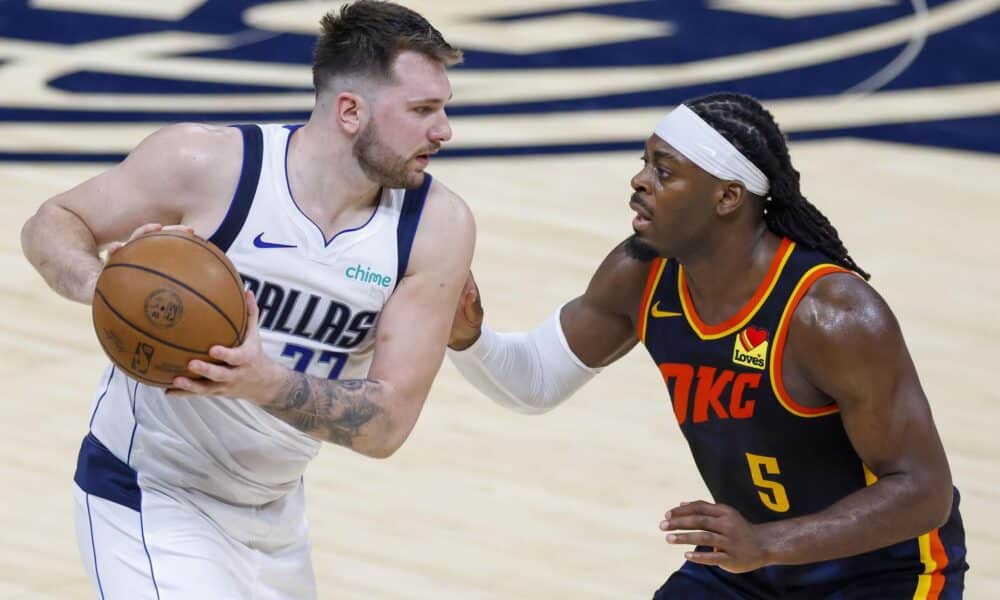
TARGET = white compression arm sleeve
x,y
530,372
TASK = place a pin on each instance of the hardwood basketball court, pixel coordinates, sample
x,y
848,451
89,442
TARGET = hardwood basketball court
x,y
481,502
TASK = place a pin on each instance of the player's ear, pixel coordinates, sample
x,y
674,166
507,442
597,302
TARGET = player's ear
x,y
731,196
350,112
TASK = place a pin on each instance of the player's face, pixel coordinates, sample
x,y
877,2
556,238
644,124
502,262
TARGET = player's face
x,y
408,123
673,202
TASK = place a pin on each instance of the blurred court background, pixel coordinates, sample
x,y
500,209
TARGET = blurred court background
x,y
893,109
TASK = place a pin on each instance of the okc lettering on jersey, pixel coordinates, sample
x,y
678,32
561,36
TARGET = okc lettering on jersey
x,y
713,388
334,324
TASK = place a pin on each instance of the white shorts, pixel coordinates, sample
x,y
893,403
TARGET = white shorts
x,y
171,549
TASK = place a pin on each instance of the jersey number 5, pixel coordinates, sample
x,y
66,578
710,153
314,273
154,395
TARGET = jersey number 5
x,y
771,493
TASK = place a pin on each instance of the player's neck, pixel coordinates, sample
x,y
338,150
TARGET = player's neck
x,y
724,276
324,178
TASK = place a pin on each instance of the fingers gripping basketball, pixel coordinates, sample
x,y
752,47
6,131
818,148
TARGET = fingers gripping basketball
x,y
164,299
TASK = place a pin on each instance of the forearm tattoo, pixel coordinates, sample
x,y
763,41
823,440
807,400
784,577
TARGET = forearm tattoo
x,y
333,411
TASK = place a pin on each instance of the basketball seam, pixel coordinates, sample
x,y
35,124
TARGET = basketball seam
x,y
208,245
237,280
182,284
143,331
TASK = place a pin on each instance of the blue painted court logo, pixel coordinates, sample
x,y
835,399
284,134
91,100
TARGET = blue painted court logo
x,y
573,75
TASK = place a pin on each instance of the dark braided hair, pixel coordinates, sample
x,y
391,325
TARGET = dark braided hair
x,y
752,129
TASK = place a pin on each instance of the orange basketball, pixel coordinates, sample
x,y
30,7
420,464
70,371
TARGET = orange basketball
x,y
164,299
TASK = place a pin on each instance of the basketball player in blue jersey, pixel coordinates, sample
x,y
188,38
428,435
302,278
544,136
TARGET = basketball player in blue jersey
x,y
356,258
787,372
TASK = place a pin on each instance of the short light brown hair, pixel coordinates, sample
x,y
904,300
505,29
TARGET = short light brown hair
x,y
366,37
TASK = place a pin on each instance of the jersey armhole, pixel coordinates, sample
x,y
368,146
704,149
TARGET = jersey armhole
x,y
409,220
246,189
652,282
781,336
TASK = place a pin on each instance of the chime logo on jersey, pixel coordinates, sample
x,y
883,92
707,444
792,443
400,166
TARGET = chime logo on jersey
x,y
750,348
365,274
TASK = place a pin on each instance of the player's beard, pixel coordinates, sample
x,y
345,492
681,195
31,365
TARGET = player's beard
x,y
640,249
381,164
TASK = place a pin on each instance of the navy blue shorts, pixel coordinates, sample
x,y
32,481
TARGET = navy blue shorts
x,y
697,582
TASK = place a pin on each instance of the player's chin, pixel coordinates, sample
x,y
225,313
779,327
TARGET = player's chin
x,y
640,248
644,234
415,178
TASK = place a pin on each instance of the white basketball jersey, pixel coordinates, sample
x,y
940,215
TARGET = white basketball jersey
x,y
319,302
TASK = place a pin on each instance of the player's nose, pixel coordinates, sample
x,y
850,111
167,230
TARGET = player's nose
x,y
441,130
640,182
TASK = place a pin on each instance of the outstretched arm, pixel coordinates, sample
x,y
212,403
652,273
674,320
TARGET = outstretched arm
x,y
532,372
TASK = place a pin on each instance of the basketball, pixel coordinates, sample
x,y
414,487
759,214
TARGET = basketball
x,y
164,299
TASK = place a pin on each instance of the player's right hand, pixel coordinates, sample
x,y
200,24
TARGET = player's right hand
x,y
91,279
143,230
242,372
468,322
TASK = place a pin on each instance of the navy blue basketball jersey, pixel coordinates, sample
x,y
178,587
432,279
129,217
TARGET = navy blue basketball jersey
x,y
756,448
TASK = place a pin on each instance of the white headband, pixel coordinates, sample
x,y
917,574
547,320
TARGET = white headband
x,y
705,147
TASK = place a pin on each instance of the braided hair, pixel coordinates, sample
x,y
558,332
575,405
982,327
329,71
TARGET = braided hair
x,y
752,129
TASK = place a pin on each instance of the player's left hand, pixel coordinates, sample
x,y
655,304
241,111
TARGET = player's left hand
x,y
467,324
246,372
736,543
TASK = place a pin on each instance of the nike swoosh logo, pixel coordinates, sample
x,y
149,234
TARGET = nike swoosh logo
x,y
658,314
260,243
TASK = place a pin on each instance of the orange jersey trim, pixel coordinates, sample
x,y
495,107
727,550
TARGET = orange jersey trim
x,y
714,332
777,353
932,554
652,282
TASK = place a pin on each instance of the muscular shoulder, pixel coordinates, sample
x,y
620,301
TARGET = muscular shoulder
x,y
191,145
600,325
190,167
192,151
841,307
843,326
446,207
618,283
447,232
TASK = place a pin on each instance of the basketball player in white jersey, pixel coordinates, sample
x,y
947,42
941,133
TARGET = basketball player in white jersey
x,y
355,258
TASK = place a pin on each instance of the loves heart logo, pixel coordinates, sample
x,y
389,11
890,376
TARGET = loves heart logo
x,y
750,348
751,337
